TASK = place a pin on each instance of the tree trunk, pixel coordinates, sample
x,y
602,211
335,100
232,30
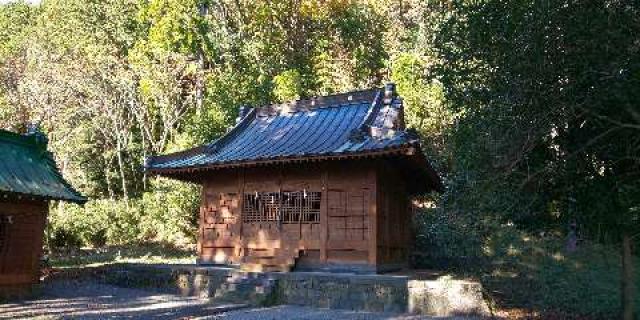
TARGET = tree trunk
x,y
125,191
204,11
628,284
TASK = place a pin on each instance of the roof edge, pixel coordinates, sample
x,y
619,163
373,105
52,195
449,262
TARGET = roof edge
x,y
36,144
412,152
80,200
318,102
25,140
400,150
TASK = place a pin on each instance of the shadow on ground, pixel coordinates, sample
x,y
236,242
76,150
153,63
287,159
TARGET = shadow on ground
x,y
84,299
87,300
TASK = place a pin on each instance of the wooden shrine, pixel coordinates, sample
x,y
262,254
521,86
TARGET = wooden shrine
x,y
29,179
318,184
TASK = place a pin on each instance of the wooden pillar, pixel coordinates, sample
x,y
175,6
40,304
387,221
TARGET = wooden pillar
x,y
373,216
240,240
203,204
39,214
324,214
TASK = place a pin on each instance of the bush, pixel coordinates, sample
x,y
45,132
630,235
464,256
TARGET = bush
x,y
62,238
166,214
445,240
170,213
520,269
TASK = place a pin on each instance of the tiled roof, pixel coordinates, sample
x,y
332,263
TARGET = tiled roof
x,y
28,169
345,125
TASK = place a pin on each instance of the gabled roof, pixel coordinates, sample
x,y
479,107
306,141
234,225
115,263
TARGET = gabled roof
x,y
28,170
357,124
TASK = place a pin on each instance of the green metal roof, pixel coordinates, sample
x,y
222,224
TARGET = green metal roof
x,y
28,169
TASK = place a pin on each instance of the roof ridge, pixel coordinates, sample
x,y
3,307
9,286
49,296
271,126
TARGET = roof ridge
x,y
323,101
16,138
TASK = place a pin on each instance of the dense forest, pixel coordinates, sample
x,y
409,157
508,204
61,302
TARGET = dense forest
x,y
528,109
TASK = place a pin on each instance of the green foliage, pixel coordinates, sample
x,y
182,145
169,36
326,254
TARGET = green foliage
x,y
287,85
167,215
426,107
170,213
544,134
16,19
537,273
117,221
548,131
527,108
522,270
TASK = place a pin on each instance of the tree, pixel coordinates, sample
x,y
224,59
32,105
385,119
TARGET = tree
x,y
551,122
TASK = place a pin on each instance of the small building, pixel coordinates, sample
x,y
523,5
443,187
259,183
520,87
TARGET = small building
x,y
317,184
29,179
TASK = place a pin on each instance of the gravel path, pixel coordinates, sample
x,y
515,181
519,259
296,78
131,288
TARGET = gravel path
x,y
72,299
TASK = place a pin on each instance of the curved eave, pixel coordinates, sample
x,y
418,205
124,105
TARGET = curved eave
x,y
411,152
11,195
407,150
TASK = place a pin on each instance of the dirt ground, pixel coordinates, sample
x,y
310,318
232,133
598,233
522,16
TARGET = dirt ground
x,y
82,299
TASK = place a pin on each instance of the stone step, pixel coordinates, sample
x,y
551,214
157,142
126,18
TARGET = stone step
x,y
245,279
242,287
261,252
257,259
269,260
259,267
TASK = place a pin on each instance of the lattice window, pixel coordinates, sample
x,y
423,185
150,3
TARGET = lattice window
x,y
261,207
301,206
283,207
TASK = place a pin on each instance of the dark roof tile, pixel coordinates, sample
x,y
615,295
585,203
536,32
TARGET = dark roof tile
x,y
324,126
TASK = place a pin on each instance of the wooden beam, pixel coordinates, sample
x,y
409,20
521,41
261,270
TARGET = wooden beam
x,y
203,204
239,249
373,216
324,214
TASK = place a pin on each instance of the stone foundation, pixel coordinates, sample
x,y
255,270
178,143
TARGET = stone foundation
x,y
376,293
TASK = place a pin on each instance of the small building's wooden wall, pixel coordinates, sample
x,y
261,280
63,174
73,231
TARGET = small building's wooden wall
x,y
346,237
394,218
22,248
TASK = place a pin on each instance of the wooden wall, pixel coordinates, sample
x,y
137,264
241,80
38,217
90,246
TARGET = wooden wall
x,y
20,253
394,217
356,195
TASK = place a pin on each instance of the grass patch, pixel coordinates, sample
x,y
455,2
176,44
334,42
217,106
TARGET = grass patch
x,y
538,275
140,254
533,274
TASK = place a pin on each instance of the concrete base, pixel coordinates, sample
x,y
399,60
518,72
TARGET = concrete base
x,y
389,293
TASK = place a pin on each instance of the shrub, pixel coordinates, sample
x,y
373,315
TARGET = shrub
x,y
61,238
166,214
170,213
523,269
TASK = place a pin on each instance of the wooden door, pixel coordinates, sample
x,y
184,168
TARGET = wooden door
x,y
348,218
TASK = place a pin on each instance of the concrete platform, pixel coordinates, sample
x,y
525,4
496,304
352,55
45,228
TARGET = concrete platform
x,y
433,295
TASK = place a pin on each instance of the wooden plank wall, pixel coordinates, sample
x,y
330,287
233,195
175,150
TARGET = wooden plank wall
x,y
20,254
220,220
350,213
394,217
345,234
